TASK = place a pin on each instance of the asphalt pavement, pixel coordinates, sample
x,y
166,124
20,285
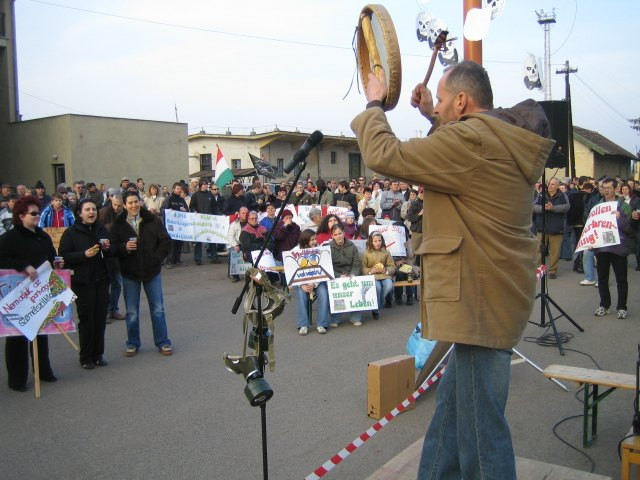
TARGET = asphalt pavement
x,y
186,416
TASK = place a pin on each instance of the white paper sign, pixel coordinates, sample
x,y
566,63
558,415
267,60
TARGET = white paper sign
x,y
31,303
352,294
476,25
339,212
237,265
361,245
196,227
303,215
308,265
601,227
266,261
394,238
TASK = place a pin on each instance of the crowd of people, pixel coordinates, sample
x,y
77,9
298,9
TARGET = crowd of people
x,y
116,243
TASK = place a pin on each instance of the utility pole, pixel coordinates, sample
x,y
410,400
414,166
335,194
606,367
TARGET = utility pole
x,y
546,20
572,155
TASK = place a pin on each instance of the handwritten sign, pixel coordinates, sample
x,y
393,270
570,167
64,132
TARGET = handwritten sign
x,y
303,215
394,238
196,227
308,265
27,304
56,234
237,265
339,212
352,294
601,228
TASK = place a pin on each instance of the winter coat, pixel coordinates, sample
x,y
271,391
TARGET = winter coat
x,y
250,241
373,257
347,197
46,218
201,202
625,230
345,258
74,242
153,246
20,248
478,254
413,216
286,238
175,202
325,198
554,219
233,204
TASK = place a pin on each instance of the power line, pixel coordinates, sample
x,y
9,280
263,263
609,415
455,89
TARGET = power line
x,y
575,15
625,118
52,103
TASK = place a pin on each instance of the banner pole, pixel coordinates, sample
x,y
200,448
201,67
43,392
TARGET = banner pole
x,y
36,365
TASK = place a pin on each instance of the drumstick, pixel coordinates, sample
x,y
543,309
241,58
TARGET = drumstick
x,y
367,31
440,41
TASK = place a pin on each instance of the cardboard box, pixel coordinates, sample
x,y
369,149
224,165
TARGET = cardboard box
x,y
390,381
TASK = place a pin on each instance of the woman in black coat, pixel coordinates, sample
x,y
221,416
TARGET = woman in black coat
x,y
24,248
84,246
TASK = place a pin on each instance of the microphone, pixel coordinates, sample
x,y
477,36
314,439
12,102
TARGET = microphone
x,y
314,139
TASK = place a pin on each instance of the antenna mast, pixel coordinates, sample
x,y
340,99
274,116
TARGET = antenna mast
x,y
546,20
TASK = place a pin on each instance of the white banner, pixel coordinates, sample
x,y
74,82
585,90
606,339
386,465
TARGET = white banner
x,y
196,227
237,265
394,238
309,265
339,212
601,228
32,303
352,294
303,215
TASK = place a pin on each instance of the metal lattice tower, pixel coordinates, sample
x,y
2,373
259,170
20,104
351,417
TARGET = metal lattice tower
x,y
547,20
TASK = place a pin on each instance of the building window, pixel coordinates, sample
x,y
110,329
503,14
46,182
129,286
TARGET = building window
x,y
205,161
333,158
59,173
281,167
235,163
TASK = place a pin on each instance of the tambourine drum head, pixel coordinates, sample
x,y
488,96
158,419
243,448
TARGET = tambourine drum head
x,y
382,44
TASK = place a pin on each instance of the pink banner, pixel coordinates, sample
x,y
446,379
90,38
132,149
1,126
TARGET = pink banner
x,y
9,279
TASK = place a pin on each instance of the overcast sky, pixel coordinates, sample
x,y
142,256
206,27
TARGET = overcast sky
x,y
256,64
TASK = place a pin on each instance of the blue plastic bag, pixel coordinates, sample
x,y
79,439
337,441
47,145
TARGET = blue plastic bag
x,y
419,347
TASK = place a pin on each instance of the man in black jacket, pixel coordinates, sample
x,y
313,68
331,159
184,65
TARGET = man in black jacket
x,y
175,202
202,202
553,211
141,243
344,195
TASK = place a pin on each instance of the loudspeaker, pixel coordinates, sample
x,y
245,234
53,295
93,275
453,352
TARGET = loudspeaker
x,y
557,111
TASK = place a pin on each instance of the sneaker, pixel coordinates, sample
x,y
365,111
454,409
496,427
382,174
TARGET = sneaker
x,y
333,325
303,331
170,265
322,330
601,312
131,351
596,285
116,316
166,350
588,282
622,314
357,324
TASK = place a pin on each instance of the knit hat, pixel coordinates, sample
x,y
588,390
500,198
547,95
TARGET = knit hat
x,y
287,212
39,184
62,188
350,214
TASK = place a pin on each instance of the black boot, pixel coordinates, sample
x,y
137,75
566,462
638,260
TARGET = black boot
x,y
409,300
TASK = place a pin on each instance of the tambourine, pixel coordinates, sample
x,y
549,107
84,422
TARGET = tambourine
x,y
377,46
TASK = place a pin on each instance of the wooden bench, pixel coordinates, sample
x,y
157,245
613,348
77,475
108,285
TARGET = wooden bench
x,y
591,379
630,455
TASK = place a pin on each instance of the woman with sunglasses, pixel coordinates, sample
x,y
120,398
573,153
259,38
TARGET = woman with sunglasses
x,y
24,248
84,246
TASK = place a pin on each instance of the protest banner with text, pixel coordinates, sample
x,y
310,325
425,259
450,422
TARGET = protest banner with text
x,y
601,228
352,294
196,227
394,238
25,304
308,265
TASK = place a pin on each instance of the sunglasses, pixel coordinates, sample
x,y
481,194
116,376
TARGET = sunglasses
x,y
34,214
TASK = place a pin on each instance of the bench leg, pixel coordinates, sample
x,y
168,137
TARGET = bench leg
x,y
625,467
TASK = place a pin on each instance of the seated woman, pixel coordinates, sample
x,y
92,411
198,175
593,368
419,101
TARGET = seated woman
x,y
323,235
303,292
404,266
364,228
377,261
252,237
346,263
350,226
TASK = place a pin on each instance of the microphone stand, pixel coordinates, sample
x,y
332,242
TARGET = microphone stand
x,y
545,298
262,338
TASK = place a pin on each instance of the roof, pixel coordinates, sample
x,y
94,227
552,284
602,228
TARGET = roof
x,y
267,138
600,144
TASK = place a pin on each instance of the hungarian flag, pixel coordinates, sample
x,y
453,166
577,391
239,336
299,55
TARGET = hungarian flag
x,y
223,172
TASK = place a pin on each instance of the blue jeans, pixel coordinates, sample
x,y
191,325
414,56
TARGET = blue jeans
x,y
114,293
212,252
588,265
153,290
469,437
383,288
567,247
302,306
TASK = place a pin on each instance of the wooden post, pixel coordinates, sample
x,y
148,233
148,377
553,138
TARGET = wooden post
x,y
36,366
472,50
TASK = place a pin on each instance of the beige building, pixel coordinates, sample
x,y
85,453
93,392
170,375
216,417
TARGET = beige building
x,y
596,155
66,148
336,157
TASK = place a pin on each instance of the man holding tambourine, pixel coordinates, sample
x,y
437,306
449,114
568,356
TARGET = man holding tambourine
x,y
477,253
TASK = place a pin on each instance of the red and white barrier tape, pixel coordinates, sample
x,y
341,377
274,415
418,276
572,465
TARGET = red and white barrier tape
x,y
327,466
541,271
